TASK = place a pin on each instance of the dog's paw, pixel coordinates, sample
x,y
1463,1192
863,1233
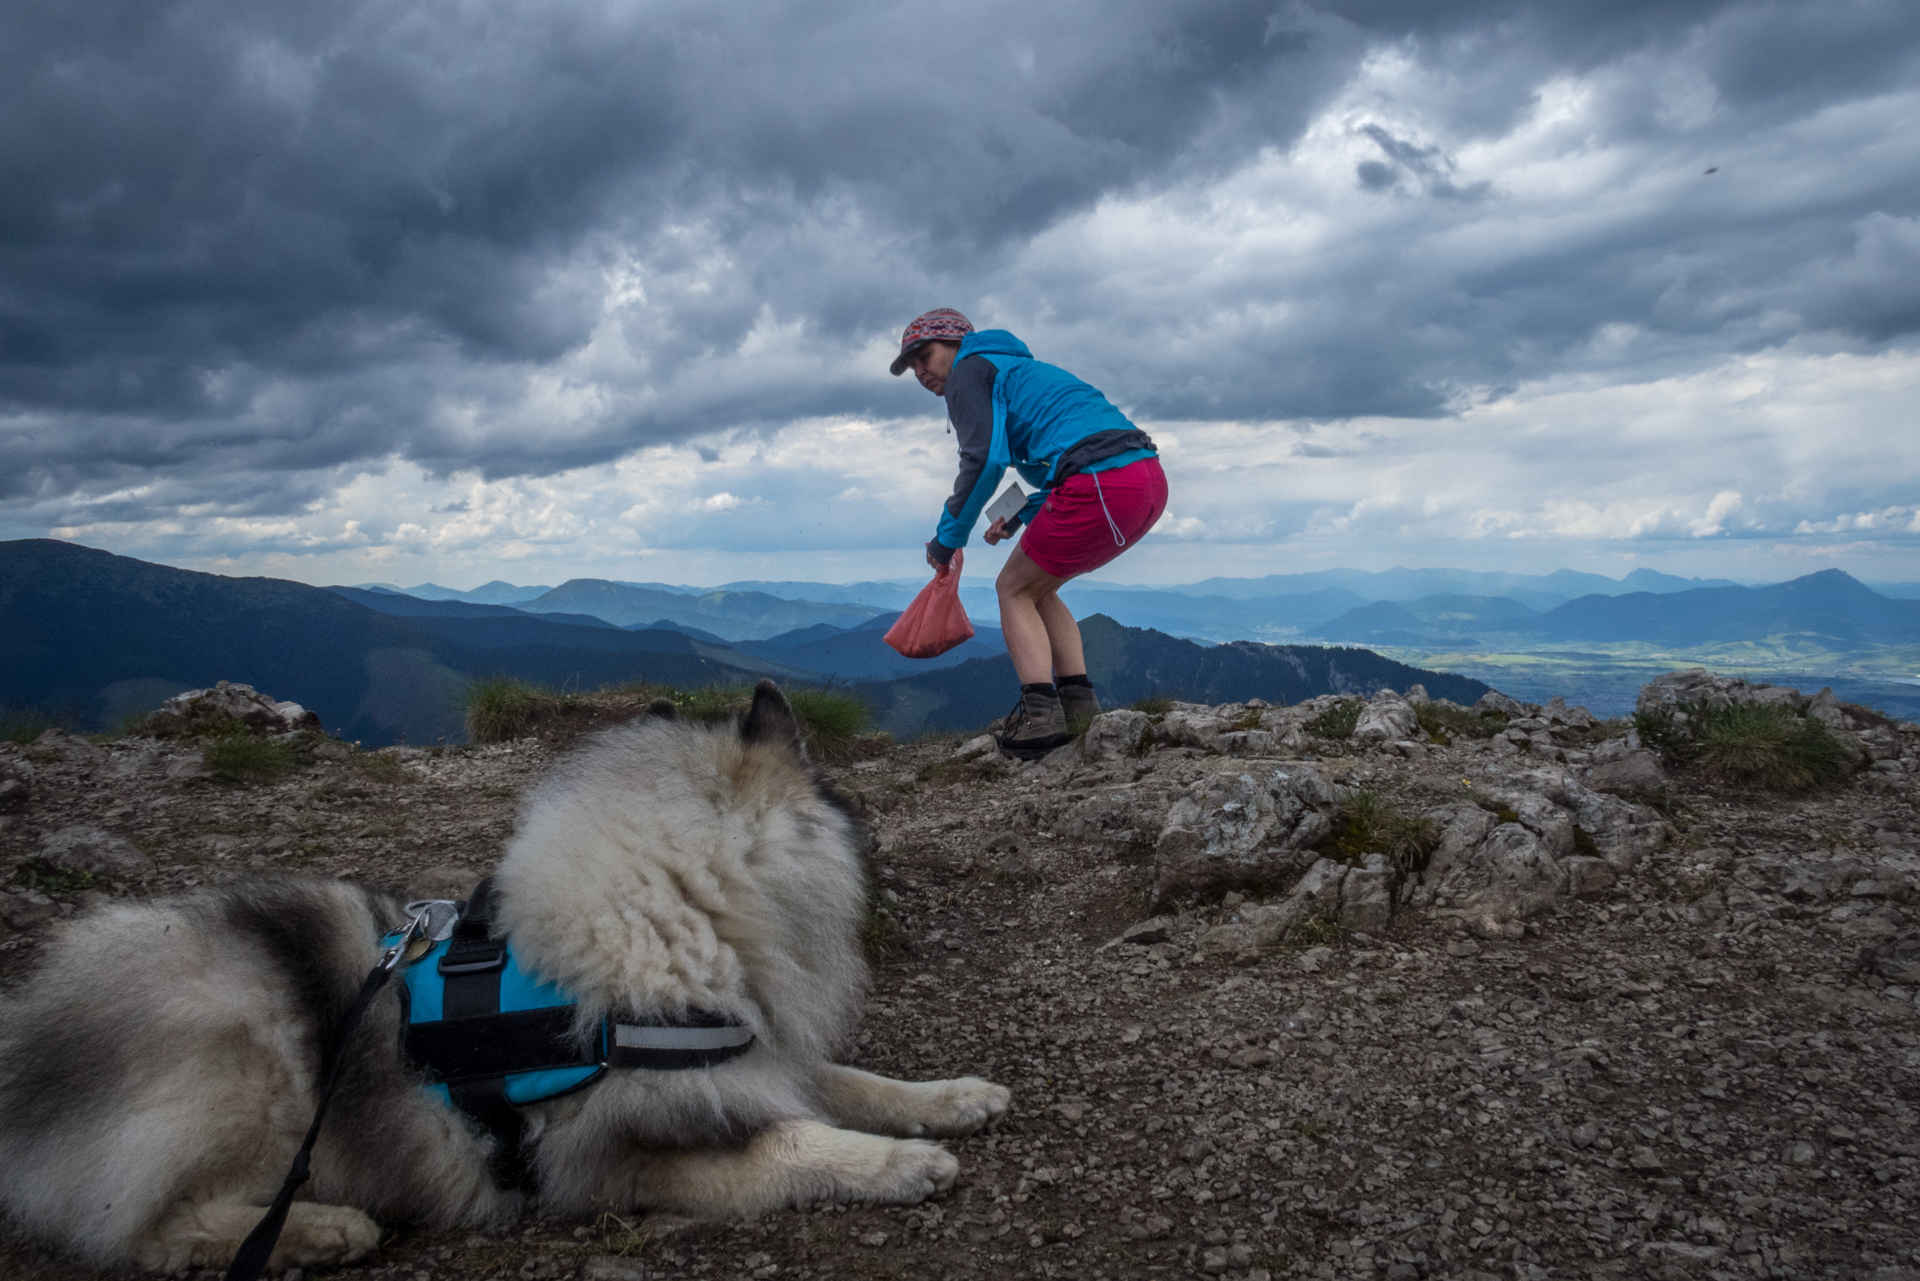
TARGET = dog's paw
x,y
319,1235
914,1171
964,1106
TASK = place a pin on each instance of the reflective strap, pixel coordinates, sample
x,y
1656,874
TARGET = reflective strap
x,y
630,1036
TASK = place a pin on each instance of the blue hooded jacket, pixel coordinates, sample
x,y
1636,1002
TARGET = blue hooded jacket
x,y
1040,412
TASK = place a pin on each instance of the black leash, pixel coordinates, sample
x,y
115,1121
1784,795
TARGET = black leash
x,y
250,1260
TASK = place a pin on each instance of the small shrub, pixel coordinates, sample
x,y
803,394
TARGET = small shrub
x,y
1153,705
1249,719
1769,746
504,707
38,874
244,759
1337,721
1371,825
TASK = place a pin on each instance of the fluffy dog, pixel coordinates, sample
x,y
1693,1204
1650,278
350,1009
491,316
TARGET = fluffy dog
x,y
157,1073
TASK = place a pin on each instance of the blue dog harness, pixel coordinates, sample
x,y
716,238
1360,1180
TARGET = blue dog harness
x,y
491,1038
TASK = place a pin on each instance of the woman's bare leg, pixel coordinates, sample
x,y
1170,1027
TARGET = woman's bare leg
x,y
1042,637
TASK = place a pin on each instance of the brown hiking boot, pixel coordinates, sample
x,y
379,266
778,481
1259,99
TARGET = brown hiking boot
x,y
1035,727
1081,705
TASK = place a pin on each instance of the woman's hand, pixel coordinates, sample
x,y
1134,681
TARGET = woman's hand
x,y
998,531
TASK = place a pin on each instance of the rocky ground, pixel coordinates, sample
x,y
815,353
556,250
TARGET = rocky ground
x,y
1577,1033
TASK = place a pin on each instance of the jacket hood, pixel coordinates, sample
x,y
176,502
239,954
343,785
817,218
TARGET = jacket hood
x,y
992,342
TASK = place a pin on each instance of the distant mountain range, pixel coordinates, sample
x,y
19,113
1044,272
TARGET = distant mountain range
x,y
1829,605
100,637
1410,608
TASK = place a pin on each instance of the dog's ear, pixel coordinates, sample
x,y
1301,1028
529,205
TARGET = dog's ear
x,y
770,720
663,709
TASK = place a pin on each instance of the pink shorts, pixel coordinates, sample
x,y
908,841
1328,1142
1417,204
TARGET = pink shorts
x,y
1095,516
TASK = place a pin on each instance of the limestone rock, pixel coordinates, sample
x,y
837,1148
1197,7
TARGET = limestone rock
x,y
1214,832
1500,705
1666,694
89,849
1366,896
1386,718
979,745
1510,876
1623,833
1632,772
200,711
1114,736
70,748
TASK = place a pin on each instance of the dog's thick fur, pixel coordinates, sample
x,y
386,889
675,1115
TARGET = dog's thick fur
x,y
158,1072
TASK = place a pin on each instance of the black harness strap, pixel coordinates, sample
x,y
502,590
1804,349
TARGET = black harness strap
x,y
471,969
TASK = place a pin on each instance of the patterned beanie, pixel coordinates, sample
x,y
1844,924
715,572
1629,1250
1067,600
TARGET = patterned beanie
x,y
941,322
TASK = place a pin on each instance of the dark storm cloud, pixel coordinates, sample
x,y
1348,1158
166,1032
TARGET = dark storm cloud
x,y
242,247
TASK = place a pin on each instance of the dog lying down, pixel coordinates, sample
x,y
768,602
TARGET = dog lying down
x,y
158,1072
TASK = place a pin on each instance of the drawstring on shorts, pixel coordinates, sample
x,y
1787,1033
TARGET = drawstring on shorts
x,y
1119,540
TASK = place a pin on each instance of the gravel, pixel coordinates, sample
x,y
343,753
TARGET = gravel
x,y
1703,1072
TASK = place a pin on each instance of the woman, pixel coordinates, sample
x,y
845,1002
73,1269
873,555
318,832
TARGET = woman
x,y
1099,488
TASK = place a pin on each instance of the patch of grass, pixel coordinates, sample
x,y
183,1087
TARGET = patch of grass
x,y
1316,930
1582,841
1668,736
1337,721
1769,746
1369,824
1444,722
1153,705
38,874
381,767
1250,719
504,707
244,759
24,724
832,720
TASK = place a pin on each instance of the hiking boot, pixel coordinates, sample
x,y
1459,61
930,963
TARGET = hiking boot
x,y
1035,727
1081,705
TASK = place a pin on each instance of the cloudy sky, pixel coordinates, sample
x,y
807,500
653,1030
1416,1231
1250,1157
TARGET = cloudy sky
x,y
459,291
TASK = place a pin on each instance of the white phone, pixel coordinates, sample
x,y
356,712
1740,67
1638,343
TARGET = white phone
x,y
1008,505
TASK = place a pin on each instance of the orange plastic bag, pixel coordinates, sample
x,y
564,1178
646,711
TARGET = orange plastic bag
x,y
936,621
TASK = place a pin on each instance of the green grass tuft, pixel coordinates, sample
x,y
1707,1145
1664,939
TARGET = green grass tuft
x,y
1337,721
1369,824
504,707
832,720
242,759
1771,747
1153,705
